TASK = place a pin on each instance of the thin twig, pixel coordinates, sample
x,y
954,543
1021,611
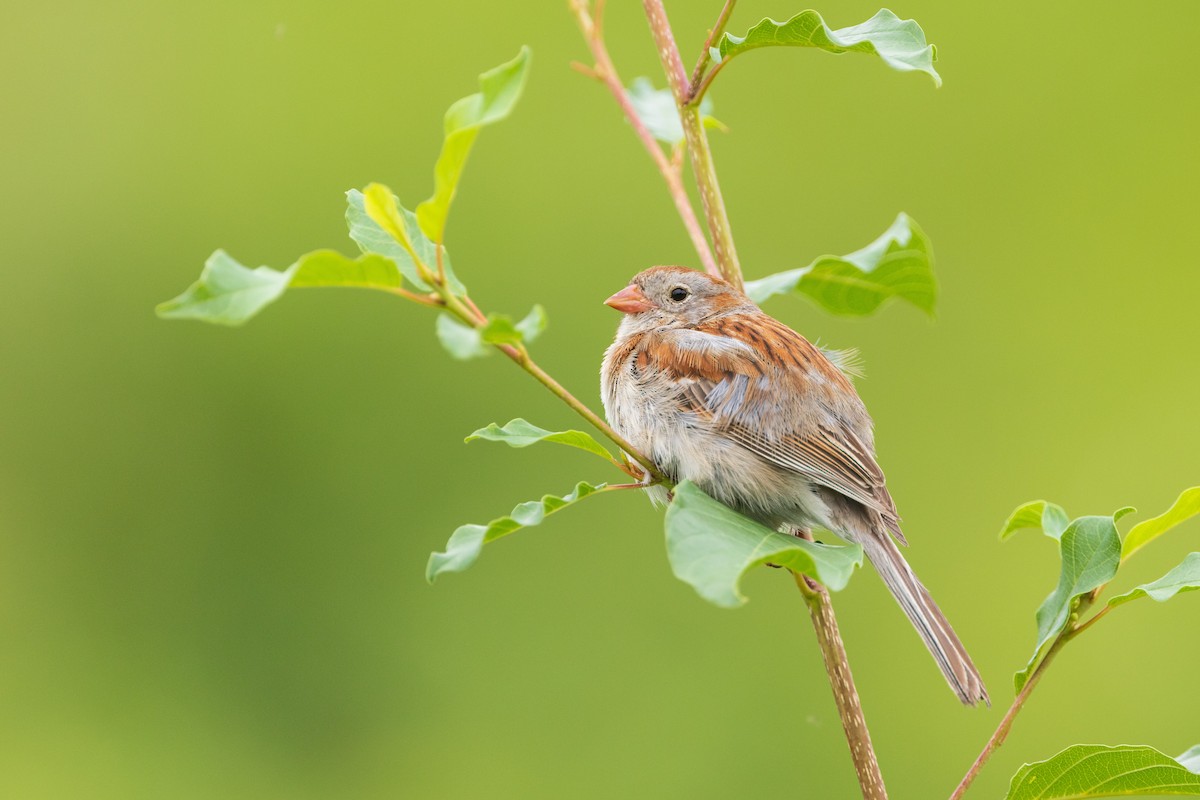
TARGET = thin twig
x,y
697,141
705,56
1001,732
1094,619
469,313
431,300
526,363
606,72
698,91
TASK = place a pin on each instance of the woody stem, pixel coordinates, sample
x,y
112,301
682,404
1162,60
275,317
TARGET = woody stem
x,y
845,695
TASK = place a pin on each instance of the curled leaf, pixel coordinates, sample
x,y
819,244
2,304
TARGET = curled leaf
x,y
898,264
711,546
1037,514
899,43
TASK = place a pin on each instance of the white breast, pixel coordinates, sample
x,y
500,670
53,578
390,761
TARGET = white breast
x,y
643,406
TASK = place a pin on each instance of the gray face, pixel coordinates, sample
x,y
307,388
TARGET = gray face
x,y
682,297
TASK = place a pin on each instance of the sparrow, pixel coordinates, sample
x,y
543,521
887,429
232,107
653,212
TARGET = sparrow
x,y
716,392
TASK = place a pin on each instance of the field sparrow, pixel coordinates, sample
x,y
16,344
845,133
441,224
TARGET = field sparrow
x,y
716,392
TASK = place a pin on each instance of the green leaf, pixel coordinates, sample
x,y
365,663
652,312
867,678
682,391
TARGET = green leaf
x,y
384,210
1095,770
464,342
519,433
467,541
900,43
461,341
897,264
331,268
533,324
500,329
229,293
371,238
657,110
1186,506
1183,578
1037,514
1091,552
711,547
500,88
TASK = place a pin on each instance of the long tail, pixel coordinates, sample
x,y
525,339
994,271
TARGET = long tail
x,y
927,618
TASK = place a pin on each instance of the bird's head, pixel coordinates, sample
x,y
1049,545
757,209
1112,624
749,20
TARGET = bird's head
x,y
675,297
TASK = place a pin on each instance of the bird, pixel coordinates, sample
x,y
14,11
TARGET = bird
x,y
714,391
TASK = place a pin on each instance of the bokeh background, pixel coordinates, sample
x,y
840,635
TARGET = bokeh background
x,y
212,541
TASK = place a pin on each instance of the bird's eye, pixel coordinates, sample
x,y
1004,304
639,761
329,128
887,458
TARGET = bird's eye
x,y
679,294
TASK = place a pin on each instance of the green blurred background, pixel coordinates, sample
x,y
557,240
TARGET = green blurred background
x,y
212,541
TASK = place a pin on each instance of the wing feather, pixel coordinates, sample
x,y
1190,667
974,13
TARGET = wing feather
x,y
737,387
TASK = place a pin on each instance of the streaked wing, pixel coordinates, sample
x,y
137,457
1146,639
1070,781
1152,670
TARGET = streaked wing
x,y
837,460
751,385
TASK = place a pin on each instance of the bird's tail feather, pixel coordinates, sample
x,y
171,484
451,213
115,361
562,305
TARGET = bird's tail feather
x,y
927,618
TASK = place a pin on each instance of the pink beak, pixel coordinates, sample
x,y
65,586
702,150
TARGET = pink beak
x,y
630,300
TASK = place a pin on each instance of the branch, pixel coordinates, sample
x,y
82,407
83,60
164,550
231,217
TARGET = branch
x,y
1002,730
845,695
697,141
607,73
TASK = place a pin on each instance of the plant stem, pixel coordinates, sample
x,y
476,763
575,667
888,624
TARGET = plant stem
x,y
698,89
844,694
841,681
607,72
697,141
431,300
816,596
1006,724
1001,732
1095,618
717,29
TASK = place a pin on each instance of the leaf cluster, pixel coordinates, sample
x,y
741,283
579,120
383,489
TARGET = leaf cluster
x,y
1092,553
